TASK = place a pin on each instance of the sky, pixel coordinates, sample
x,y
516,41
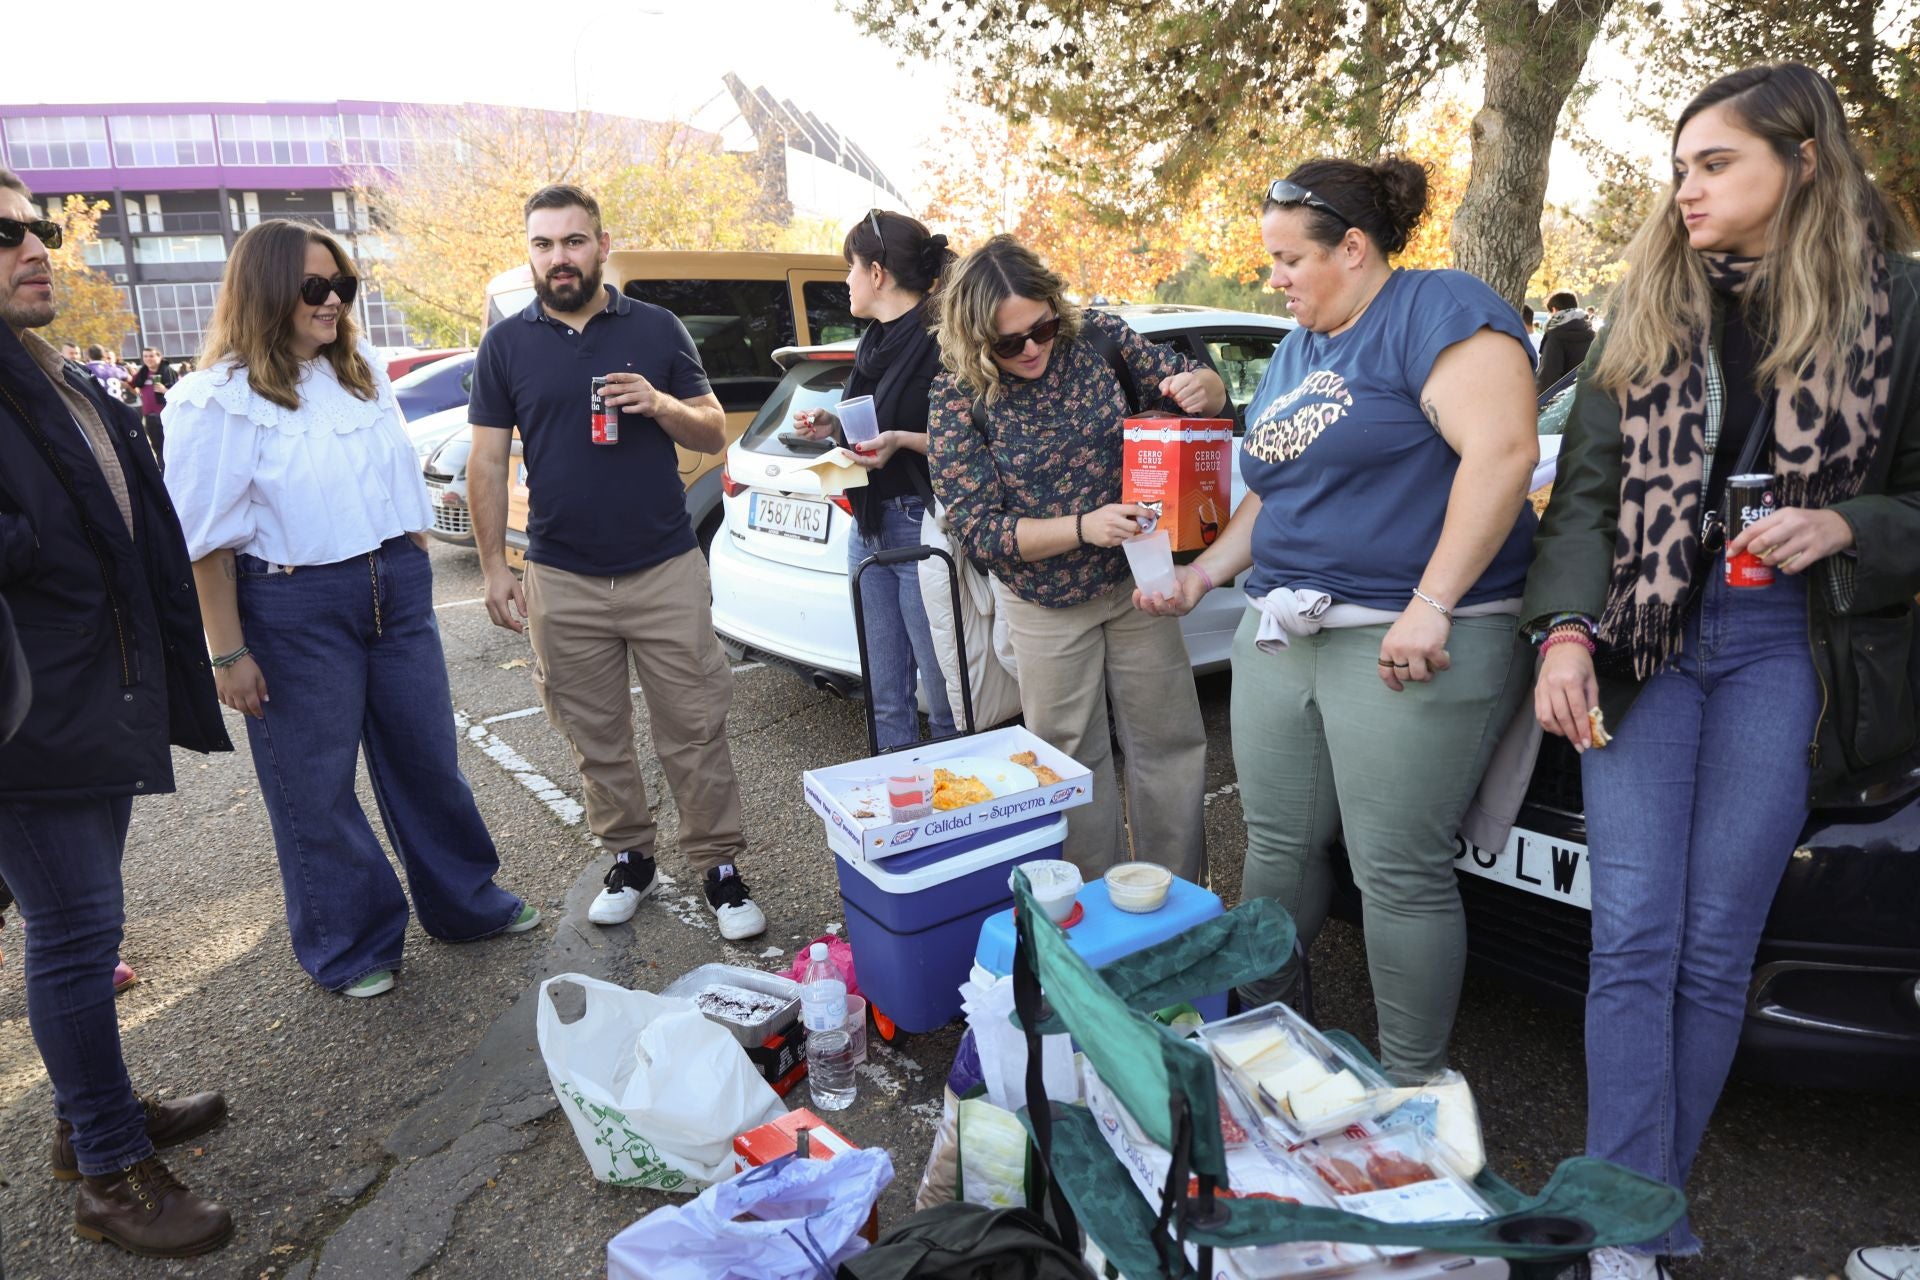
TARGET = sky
x,y
657,59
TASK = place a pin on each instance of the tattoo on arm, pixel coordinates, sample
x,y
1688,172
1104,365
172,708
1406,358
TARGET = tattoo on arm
x,y
1432,411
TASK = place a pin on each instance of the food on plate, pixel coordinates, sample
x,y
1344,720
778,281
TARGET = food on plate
x,y
1045,776
1329,1096
1343,1176
955,791
1390,1169
737,1004
1232,1132
1597,727
1229,1193
863,813
1260,1052
1025,759
1301,1075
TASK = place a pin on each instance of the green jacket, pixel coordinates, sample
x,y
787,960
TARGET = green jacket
x,y
1866,746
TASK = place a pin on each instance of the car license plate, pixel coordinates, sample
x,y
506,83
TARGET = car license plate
x,y
1531,862
789,517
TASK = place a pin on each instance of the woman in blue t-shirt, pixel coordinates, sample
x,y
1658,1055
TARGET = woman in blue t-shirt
x,y
1387,457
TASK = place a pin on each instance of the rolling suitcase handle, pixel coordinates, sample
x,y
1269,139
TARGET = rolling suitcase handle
x,y
912,555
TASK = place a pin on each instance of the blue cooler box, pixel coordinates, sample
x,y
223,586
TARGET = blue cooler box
x,y
1106,933
913,919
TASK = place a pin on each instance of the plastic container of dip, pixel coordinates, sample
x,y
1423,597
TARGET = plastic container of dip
x,y
1138,887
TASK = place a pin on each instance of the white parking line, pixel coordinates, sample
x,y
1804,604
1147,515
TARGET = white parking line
x,y
455,604
564,806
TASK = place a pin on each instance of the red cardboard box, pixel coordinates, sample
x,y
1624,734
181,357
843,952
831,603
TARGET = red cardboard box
x,y
1180,468
769,1142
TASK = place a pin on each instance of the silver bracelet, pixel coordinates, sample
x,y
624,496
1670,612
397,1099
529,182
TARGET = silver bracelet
x,y
1445,612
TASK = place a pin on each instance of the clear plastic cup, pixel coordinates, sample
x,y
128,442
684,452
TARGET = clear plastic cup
x,y
1150,557
910,792
857,1027
858,419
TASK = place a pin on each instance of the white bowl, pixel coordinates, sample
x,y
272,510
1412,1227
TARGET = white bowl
x,y
1138,886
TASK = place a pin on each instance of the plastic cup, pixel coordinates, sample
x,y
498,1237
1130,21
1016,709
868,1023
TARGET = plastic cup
x,y
910,792
1150,556
858,419
857,1027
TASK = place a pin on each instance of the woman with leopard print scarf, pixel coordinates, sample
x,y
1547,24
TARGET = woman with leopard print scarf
x,y
1769,317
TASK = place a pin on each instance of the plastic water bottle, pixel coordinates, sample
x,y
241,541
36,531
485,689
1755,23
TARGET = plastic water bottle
x,y
823,992
830,1078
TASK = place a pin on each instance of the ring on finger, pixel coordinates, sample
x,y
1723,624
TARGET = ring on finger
x,y
1398,665
1384,662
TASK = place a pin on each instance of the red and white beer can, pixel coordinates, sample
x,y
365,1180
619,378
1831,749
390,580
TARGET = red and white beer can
x,y
606,425
1750,499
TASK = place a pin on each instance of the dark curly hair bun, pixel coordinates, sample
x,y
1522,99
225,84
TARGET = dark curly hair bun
x,y
1403,199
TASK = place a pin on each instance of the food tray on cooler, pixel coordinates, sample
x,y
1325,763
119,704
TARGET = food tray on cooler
x,y
1302,1084
782,995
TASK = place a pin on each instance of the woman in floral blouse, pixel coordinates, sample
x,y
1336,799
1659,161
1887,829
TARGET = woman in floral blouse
x,y
1026,428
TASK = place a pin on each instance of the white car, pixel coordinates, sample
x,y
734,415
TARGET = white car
x,y
780,581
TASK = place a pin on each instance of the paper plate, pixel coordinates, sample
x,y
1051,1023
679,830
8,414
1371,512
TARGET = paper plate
x,y
1002,776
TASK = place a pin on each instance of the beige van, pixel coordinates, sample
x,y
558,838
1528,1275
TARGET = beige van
x,y
740,309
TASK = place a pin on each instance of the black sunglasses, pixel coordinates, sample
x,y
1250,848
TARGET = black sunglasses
x,y
314,290
1284,192
1041,334
13,232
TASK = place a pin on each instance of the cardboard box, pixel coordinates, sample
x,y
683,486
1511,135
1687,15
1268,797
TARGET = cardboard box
x,y
771,1141
841,794
782,1060
1180,468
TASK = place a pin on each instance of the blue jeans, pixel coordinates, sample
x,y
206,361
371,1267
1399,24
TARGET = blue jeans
x,y
62,858
351,656
899,638
1692,813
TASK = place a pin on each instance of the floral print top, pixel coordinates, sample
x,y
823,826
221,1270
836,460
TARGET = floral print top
x,y
1049,447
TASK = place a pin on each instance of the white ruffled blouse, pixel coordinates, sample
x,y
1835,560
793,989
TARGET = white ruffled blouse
x,y
319,484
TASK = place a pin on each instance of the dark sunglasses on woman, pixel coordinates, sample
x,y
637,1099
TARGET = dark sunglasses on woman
x,y
314,290
13,232
1290,193
1041,334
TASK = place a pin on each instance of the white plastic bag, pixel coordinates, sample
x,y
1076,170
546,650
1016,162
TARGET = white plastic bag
x,y
789,1220
993,1156
1003,1048
996,691
654,1089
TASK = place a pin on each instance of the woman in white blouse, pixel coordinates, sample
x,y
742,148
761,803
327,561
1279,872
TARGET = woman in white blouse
x,y
303,506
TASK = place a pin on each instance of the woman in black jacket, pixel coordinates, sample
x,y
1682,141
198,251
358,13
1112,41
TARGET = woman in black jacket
x,y
894,263
1769,325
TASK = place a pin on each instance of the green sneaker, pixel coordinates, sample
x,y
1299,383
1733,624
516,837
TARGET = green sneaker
x,y
529,916
377,983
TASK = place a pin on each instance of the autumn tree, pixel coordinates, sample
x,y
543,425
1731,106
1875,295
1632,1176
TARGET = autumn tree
x,y
451,220
92,309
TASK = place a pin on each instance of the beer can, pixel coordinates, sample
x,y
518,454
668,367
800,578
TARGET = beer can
x,y
606,425
1750,499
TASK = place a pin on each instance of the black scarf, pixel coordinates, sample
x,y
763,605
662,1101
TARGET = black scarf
x,y
895,364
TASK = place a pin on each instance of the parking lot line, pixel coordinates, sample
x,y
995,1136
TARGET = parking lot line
x,y
563,806
455,604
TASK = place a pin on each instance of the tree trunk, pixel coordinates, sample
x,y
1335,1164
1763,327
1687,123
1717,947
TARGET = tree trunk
x,y
1534,59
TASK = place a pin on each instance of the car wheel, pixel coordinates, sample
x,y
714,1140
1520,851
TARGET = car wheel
x,y
709,530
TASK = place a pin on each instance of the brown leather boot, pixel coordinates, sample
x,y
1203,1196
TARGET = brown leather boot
x,y
145,1210
168,1123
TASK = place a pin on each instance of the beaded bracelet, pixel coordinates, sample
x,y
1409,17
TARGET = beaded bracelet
x,y
1569,636
228,659
1078,535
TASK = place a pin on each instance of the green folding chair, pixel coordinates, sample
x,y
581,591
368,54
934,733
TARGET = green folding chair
x,y
1167,1085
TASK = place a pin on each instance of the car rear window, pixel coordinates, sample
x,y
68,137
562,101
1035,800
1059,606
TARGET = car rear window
x,y
830,315
813,384
736,325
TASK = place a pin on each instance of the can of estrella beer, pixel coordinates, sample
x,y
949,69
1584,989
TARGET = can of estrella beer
x,y
1750,499
606,426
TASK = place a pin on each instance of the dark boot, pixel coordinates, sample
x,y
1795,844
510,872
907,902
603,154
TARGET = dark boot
x,y
168,1123
145,1210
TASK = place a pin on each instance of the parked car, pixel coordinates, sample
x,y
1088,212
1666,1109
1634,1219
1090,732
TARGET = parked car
x,y
402,361
780,586
444,467
444,384
1834,1001
430,432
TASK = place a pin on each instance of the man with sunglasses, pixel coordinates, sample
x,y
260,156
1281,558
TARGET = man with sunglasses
x,y
94,569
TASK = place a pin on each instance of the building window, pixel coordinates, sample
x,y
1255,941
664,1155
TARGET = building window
x,y
162,142
105,253
56,142
157,250
384,324
278,140
130,340
174,317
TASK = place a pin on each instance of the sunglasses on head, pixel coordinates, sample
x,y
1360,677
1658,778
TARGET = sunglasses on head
x,y
1040,335
314,289
1283,192
13,232
873,220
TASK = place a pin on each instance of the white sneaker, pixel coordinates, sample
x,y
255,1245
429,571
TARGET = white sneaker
x,y
1889,1262
627,883
1624,1264
732,905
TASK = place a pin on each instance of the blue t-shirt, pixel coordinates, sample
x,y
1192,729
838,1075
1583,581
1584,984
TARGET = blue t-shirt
x,y
594,509
1353,479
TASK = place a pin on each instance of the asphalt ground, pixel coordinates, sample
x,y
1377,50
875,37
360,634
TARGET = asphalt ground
x,y
416,1133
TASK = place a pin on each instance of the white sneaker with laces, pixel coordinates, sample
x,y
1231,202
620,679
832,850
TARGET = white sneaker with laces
x,y
733,905
627,883
1624,1264
1888,1262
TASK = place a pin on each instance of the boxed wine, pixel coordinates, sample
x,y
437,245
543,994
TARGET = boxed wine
x,y
1179,469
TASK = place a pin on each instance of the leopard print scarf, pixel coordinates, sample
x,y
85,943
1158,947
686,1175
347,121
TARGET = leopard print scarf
x,y
1827,425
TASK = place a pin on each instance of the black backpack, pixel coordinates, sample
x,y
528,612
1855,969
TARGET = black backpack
x,y
960,1241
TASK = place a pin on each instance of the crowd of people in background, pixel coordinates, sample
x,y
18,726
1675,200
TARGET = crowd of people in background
x,y
1405,605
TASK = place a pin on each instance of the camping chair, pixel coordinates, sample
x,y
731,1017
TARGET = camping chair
x,y
1167,1085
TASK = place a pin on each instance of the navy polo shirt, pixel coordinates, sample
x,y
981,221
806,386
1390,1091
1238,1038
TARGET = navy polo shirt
x,y
595,509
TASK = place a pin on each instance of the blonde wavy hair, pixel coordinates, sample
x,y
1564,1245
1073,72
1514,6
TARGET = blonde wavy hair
x,y
1001,268
253,321
1814,277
